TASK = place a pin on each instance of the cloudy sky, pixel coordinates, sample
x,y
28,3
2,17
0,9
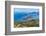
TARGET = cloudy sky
x,y
23,12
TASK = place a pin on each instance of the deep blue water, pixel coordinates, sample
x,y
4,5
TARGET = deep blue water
x,y
18,15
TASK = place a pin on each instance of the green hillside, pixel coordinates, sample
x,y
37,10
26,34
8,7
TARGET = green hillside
x,y
30,23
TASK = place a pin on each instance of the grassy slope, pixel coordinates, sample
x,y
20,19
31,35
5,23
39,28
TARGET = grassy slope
x,y
31,23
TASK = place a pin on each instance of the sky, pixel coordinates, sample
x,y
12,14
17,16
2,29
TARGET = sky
x,y
25,10
20,13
